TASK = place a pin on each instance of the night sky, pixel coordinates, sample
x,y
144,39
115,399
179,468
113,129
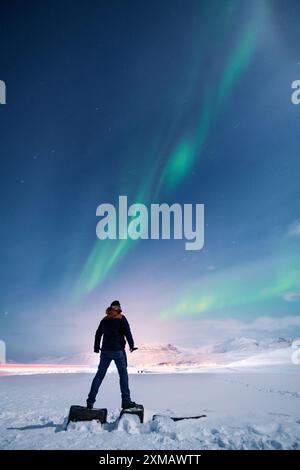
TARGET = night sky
x,y
182,101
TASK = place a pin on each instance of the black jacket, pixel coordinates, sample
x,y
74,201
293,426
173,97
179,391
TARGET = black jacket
x,y
114,331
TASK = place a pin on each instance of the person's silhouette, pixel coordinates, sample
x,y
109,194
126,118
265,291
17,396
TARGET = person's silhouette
x,y
113,328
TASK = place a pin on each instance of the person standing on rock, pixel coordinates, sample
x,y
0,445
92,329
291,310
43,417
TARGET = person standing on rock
x,y
115,330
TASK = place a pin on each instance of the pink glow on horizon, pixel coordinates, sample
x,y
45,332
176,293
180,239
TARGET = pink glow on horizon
x,y
22,369
33,369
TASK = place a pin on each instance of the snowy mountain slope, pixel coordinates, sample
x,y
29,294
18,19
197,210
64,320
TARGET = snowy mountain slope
x,y
156,355
250,344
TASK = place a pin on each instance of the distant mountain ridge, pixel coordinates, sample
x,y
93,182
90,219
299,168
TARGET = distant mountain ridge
x,y
250,344
152,355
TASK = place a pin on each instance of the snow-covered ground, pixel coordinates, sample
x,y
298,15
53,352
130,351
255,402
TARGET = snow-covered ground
x,y
244,411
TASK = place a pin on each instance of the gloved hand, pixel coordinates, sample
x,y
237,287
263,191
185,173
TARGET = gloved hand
x,y
133,349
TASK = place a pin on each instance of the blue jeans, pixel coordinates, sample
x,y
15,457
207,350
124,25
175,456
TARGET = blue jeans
x,y
121,362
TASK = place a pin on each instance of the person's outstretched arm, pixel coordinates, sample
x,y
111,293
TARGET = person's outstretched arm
x,y
98,337
127,333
